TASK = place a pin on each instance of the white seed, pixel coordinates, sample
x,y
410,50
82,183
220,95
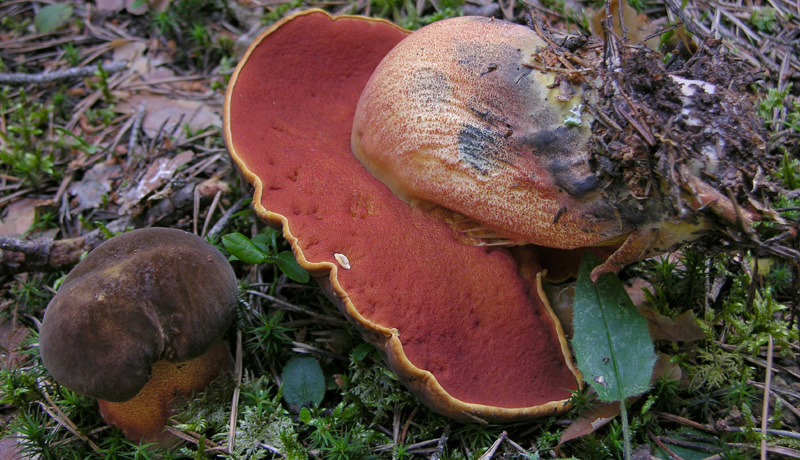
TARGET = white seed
x,y
342,259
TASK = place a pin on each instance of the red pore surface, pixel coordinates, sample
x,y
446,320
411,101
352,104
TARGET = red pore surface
x,y
462,312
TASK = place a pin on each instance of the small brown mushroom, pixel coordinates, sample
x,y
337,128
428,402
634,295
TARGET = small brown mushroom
x,y
466,328
139,321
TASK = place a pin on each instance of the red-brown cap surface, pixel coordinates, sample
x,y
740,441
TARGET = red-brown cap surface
x,y
459,324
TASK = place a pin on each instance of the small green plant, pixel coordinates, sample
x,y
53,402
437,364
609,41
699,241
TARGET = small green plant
x,y
202,46
676,284
776,101
268,335
752,319
262,249
22,150
340,435
764,19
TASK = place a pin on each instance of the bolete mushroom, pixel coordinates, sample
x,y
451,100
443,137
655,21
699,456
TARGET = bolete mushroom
x,y
139,321
481,117
466,328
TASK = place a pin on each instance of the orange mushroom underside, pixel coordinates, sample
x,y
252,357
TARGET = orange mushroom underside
x,y
146,415
459,324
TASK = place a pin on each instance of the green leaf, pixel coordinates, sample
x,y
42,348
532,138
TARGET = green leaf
x,y
611,342
288,265
138,4
361,351
303,381
243,249
305,415
52,17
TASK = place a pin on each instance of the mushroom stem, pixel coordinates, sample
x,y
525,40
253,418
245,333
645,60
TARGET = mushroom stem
x,y
146,415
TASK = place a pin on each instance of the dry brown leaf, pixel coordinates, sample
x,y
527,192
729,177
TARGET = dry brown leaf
x,y
11,449
109,6
684,328
590,420
638,26
132,51
160,171
11,337
164,112
95,185
19,216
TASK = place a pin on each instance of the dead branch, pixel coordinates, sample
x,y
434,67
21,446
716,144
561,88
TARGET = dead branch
x,y
47,77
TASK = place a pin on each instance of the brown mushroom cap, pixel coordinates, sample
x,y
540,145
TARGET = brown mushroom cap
x,y
141,297
464,327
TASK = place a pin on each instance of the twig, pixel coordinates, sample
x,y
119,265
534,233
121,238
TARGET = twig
x,y
236,392
441,443
663,446
47,77
137,124
211,209
226,218
784,433
685,421
765,409
407,425
490,453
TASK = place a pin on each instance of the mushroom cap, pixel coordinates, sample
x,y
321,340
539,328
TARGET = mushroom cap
x,y
464,327
143,296
456,116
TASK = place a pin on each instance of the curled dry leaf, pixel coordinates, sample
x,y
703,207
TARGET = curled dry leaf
x,y
158,173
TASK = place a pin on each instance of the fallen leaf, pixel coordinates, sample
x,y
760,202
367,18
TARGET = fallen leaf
x,y
95,185
160,171
53,17
11,337
19,216
11,449
665,368
684,328
165,113
110,6
132,51
590,420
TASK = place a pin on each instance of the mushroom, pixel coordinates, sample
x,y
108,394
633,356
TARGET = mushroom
x,y
139,321
464,115
466,328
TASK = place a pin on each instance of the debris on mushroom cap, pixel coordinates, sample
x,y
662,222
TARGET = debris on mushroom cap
x,y
141,297
464,327
483,117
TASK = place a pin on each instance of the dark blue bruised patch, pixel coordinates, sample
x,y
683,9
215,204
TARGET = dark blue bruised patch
x,y
479,148
556,149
